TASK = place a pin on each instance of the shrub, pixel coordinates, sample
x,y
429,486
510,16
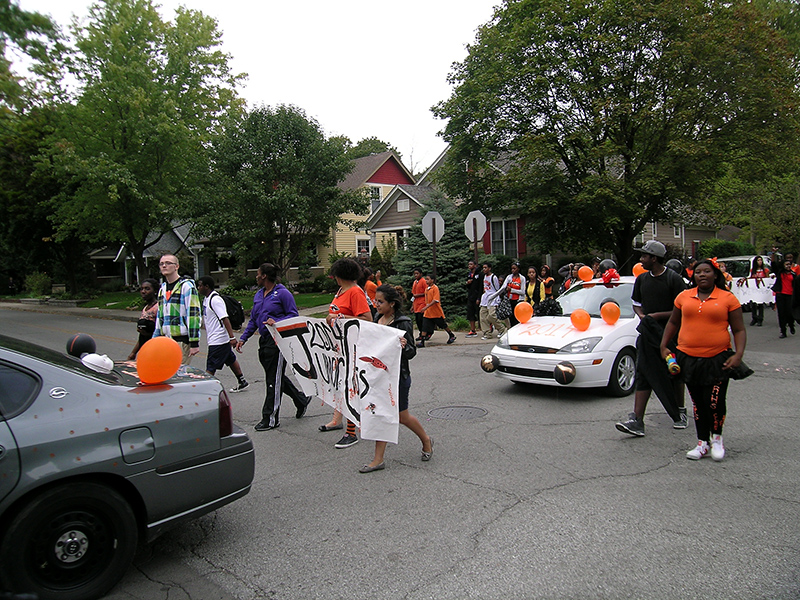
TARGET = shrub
x,y
326,284
307,287
38,284
239,282
459,323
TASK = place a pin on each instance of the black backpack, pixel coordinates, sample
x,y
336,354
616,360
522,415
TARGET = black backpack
x,y
234,309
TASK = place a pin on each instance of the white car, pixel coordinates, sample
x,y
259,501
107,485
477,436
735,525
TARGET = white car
x,y
551,351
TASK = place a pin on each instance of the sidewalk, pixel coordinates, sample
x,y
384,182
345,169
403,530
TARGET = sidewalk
x,y
439,338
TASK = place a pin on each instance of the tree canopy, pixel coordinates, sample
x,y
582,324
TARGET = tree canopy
x,y
594,117
134,145
29,33
276,193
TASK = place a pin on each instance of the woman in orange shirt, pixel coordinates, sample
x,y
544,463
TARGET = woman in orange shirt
x,y
701,318
433,315
350,301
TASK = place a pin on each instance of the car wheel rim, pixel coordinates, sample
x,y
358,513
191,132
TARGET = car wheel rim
x,y
626,372
71,549
71,546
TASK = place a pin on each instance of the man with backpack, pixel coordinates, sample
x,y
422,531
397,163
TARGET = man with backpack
x,y
178,314
219,332
489,304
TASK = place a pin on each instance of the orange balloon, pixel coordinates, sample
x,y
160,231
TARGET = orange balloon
x,y
523,312
158,360
638,269
610,312
580,319
585,273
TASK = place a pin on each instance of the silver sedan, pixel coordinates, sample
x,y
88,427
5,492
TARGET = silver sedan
x,y
92,462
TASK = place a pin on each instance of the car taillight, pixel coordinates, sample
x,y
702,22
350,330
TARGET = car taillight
x,y
225,415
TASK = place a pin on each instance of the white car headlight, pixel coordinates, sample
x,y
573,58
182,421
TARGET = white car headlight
x,y
503,341
583,346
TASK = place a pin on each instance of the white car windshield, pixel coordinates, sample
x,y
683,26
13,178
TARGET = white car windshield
x,y
590,296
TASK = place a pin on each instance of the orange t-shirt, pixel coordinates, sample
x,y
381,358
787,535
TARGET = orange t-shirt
x,y
704,324
418,287
432,295
370,288
350,303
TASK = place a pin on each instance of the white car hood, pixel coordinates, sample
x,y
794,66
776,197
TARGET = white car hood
x,y
557,332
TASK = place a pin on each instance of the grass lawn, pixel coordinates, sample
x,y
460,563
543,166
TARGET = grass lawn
x,y
122,300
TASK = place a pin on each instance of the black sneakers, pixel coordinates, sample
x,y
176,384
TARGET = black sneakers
x,y
346,441
240,387
632,426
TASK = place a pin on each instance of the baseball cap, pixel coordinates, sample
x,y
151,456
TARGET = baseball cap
x,y
653,247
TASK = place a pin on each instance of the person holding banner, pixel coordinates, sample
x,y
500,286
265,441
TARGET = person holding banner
x,y
389,301
350,301
272,303
759,272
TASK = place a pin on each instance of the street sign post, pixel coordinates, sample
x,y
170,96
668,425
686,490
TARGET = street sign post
x,y
475,228
433,230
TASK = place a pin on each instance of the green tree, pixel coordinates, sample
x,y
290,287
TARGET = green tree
x,y
277,191
133,147
594,117
765,210
27,236
452,254
370,145
29,33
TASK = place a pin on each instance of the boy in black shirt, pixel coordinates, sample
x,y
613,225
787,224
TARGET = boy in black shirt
x,y
653,296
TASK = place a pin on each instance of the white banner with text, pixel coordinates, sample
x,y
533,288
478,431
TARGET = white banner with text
x,y
352,365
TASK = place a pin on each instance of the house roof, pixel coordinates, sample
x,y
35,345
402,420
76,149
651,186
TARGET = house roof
x,y
367,166
425,179
419,194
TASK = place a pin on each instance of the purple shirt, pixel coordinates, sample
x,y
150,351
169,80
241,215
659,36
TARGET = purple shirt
x,y
279,304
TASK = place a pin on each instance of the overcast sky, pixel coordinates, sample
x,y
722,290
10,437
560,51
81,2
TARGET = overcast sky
x,y
361,68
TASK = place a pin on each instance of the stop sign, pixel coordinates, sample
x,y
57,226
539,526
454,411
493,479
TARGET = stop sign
x,y
428,221
475,226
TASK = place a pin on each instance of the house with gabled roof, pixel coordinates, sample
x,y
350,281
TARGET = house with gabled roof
x,y
378,174
399,211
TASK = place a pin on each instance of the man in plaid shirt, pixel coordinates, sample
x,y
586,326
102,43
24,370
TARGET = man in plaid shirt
x,y
178,309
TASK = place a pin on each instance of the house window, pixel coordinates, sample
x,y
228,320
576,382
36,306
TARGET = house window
x,y
504,237
362,249
676,231
374,198
402,205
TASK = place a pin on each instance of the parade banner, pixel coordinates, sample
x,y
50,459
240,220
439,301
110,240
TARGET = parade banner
x,y
750,289
352,365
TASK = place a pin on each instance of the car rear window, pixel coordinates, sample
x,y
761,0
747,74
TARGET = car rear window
x,y
591,296
17,389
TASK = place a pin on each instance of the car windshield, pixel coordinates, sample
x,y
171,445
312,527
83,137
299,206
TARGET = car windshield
x,y
737,267
592,295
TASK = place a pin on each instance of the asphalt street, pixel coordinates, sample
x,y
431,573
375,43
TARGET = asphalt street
x,y
540,497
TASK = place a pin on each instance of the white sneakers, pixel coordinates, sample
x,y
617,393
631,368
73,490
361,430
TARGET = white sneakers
x,y
717,449
698,451
702,449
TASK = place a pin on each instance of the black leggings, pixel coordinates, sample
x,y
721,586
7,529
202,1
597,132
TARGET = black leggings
x,y
709,408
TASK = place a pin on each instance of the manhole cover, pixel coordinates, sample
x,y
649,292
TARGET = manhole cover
x,y
457,413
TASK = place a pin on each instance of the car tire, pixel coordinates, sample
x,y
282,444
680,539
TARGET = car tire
x,y
71,542
623,373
